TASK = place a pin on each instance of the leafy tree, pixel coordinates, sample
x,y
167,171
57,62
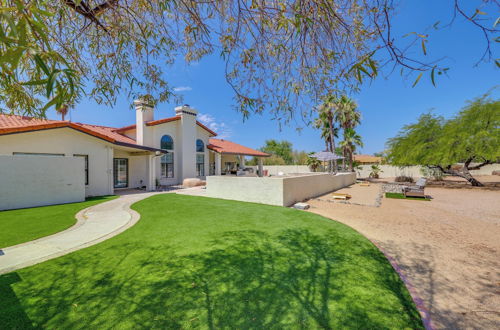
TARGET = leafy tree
x,y
280,55
472,137
281,149
299,157
273,160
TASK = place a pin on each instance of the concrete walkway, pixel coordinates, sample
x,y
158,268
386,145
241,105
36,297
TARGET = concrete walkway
x,y
94,224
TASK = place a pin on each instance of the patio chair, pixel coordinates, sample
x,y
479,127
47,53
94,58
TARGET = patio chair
x,y
417,190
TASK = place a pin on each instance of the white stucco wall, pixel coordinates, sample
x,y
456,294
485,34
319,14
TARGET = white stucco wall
x,y
28,181
68,141
282,191
299,188
389,171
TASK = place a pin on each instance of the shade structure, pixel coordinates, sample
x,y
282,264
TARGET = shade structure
x,y
326,156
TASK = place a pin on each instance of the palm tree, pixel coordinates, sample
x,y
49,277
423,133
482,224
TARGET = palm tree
x,y
348,117
312,162
351,140
326,123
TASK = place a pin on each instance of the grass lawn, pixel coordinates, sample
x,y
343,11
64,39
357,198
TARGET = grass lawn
x,y
24,225
197,262
402,196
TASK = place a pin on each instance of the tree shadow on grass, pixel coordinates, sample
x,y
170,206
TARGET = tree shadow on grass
x,y
247,279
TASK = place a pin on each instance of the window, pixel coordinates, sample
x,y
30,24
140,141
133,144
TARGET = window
x,y
167,160
167,165
167,143
86,169
200,146
200,164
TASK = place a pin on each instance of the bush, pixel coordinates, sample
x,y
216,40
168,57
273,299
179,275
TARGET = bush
x,y
432,173
404,178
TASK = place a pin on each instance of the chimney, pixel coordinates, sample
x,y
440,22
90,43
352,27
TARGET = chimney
x,y
188,135
144,112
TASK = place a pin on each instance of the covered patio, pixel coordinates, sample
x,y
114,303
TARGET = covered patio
x,y
228,158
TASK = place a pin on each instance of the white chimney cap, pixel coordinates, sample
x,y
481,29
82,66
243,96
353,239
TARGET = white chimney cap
x,y
185,109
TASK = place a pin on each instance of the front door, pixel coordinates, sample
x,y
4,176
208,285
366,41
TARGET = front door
x,y
120,172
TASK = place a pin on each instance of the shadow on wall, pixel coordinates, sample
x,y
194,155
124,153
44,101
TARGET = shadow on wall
x,y
296,279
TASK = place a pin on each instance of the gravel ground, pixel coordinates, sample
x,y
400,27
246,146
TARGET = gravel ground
x,y
449,248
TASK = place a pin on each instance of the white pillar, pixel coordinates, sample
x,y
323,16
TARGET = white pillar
x,y
151,175
261,167
218,163
242,162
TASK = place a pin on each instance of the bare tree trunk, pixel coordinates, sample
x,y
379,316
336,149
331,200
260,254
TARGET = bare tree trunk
x,y
464,172
332,142
351,166
343,159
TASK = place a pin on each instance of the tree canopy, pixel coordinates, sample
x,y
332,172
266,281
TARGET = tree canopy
x,y
281,56
472,137
281,149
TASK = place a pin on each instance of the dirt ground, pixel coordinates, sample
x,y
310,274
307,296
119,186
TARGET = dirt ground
x,y
448,248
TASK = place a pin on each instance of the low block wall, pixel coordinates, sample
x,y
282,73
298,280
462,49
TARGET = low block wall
x,y
390,171
28,181
282,191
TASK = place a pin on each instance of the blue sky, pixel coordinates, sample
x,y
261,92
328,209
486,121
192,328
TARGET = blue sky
x,y
386,104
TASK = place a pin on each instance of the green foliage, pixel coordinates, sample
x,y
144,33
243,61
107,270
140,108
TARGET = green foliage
x,y
472,135
299,157
280,149
273,160
204,263
313,162
375,171
280,55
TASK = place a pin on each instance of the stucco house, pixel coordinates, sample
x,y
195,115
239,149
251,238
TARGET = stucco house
x,y
149,152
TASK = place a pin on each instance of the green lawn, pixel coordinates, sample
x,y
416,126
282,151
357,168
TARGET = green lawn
x,y
402,196
196,262
24,225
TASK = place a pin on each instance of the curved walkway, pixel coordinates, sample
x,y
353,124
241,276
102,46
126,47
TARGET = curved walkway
x,y
94,224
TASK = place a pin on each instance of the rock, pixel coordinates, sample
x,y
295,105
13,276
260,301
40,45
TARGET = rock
x,y
191,182
495,172
301,206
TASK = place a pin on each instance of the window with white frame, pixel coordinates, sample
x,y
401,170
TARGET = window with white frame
x,y
167,160
200,164
200,158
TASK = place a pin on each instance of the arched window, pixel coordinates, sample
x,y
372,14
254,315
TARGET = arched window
x,y
200,146
167,143
200,158
167,160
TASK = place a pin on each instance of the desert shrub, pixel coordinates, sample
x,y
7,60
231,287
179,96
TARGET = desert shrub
x,y
404,178
432,173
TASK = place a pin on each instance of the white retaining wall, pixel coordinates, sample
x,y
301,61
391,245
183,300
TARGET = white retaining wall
x,y
28,181
275,190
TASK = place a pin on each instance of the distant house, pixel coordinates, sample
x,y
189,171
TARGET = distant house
x,y
149,152
367,159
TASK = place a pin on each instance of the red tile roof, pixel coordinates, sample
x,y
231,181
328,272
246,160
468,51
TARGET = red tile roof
x,y
162,121
228,147
10,124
